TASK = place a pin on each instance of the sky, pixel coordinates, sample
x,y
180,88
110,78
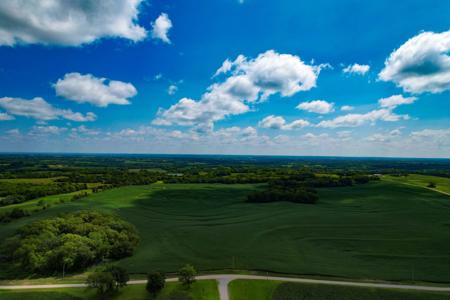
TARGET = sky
x,y
334,78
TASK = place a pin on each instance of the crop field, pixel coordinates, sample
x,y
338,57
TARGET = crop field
x,y
201,290
380,230
277,290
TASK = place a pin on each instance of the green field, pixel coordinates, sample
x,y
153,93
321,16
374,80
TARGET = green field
x,y
442,183
277,290
200,290
380,230
49,200
32,180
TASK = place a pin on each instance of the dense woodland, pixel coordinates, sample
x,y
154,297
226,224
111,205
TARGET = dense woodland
x,y
70,242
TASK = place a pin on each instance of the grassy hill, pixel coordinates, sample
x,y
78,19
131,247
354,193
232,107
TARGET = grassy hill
x,y
442,183
381,230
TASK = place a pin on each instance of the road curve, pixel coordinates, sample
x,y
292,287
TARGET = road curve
x,y
224,279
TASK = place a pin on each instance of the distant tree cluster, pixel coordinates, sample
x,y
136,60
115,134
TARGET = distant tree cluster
x,y
70,242
301,187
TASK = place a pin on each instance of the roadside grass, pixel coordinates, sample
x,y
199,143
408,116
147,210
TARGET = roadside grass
x,y
200,290
277,290
242,289
381,230
442,183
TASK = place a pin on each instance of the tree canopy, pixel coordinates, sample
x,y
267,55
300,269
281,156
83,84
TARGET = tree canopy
x,y
70,242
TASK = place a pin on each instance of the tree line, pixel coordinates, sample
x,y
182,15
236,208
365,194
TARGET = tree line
x,y
13,193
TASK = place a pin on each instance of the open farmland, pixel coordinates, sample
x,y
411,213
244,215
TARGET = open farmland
x,y
379,230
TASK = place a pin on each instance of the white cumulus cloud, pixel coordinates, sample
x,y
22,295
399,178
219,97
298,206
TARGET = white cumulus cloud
x,y
317,106
250,81
396,100
68,23
161,27
356,69
96,91
39,109
422,64
278,122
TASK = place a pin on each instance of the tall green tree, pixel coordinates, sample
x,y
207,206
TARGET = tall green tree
x,y
186,275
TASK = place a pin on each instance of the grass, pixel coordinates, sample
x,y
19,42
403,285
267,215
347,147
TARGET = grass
x,y
241,289
50,200
442,183
32,180
381,230
200,290
277,290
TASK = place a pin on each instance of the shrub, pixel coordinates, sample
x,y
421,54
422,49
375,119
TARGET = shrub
x,y
119,274
155,283
186,275
102,281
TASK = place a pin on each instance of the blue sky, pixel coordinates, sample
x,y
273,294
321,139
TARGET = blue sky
x,y
111,77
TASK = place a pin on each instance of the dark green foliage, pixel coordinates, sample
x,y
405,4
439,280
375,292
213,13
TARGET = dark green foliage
x,y
186,275
297,291
70,242
431,185
285,190
15,213
155,282
119,274
102,281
